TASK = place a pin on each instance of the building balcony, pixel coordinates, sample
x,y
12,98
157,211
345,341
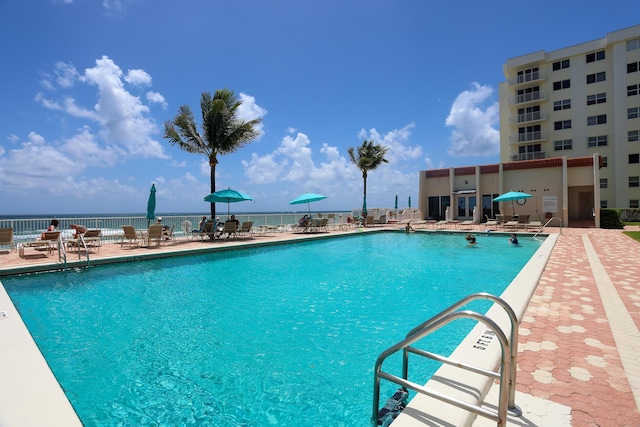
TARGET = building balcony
x,y
528,98
527,78
527,137
535,155
537,116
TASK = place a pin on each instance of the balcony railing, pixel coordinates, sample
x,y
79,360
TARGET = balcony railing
x,y
529,97
527,78
528,117
535,155
527,137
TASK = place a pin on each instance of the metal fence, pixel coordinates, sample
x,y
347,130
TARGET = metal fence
x,y
29,229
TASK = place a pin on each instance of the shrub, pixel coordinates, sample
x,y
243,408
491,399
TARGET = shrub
x,y
610,218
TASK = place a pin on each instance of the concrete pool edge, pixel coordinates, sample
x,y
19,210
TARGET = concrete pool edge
x,y
464,385
26,377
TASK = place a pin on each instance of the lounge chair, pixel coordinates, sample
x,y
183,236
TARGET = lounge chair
x,y
230,228
49,241
130,237
6,238
490,222
245,229
523,221
155,234
466,225
92,239
510,224
536,225
169,236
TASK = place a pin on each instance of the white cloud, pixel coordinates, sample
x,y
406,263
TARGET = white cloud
x,y
157,98
249,110
395,140
474,134
124,119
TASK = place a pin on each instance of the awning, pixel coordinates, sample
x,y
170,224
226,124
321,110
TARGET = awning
x,y
456,192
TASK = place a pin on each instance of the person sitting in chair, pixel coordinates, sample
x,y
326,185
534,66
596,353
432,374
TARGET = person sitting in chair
x,y
201,225
304,221
78,230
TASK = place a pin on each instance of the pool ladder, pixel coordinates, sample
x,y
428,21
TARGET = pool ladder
x,y
506,374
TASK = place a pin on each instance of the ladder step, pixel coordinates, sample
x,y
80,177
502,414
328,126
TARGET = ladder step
x,y
393,407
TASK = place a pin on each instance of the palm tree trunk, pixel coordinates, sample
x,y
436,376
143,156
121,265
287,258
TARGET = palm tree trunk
x,y
213,188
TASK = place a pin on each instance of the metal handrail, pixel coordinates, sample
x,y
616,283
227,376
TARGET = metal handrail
x,y
62,253
86,248
547,223
508,365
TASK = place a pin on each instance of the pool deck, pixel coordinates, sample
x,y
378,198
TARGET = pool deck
x,y
579,341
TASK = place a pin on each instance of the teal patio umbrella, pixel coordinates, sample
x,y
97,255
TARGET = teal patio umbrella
x,y
307,198
409,201
151,204
227,196
512,196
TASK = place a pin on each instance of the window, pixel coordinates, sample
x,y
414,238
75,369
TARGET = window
x,y
632,90
599,98
595,56
563,84
633,113
597,77
565,104
633,44
633,136
597,141
633,203
565,144
597,120
604,183
603,204
605,161
528,75
563,124
632,67
634,181
560,65
529,133
634,158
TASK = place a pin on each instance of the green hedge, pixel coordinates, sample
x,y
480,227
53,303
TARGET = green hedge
x,y
610,218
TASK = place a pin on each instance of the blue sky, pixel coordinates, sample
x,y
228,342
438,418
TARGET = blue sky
x,y
87,85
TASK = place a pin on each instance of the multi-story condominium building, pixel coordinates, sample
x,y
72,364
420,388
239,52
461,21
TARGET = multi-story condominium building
x,y
569,135
575,102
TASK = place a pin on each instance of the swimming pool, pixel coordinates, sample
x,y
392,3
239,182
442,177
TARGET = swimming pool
x,y
281,335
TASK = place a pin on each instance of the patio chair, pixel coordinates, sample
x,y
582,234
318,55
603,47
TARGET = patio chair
x,y
130,237
490,222
169,236
245,229
6,238
523,221
92,239
155,234
230,228
49,241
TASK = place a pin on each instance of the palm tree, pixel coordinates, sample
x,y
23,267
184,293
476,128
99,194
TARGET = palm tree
x,y
368,158
223,131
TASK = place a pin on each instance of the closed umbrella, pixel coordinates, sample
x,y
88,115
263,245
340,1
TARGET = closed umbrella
x,y
307,198
227,196
512,196
409,201
396,206
151,204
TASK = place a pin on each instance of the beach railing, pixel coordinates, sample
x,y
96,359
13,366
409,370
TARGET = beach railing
x,y
29,229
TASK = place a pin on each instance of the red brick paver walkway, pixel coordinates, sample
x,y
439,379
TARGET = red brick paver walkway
x,y
567,350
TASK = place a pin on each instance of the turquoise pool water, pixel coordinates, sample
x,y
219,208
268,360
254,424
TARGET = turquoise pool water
x,y
277,336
